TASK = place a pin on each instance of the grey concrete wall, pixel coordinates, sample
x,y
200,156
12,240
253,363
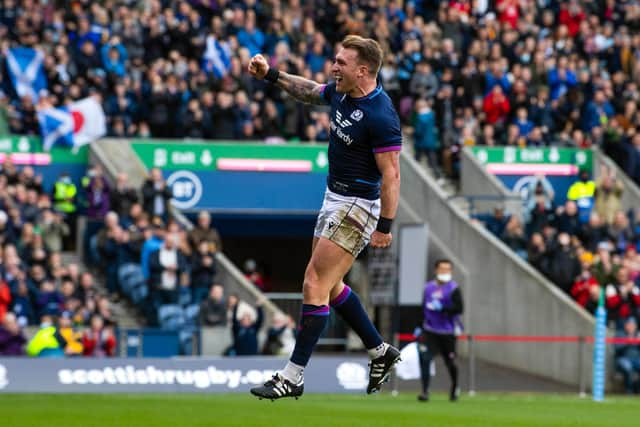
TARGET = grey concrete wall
x,y
631,194
504,295
475,181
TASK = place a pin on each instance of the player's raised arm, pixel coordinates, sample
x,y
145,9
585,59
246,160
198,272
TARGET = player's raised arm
x,y
303,90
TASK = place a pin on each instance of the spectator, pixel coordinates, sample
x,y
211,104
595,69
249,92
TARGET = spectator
x,y
496,106
581,289
605,270
165,266
53,230
497,223
50,301
22,304
538,188
607,197
280,336
253,275
72,337
564,266
98,196
245,331
203,271
12,339
598,112
620,232
425,135
567,220
99,340
622,298
5,299
627,356
514,237
156,195
593,232
204,232
153,240
213,310
122,197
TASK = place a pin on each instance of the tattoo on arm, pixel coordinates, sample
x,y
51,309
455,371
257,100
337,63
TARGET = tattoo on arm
x,y
303,90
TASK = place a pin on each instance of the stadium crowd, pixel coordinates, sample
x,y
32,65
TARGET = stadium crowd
x,y
514,72
37,287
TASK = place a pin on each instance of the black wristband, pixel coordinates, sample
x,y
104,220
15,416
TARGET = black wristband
x,y
384,225
272,75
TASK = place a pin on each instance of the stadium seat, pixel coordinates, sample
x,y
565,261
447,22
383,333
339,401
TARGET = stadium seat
x,y
191,313
171,317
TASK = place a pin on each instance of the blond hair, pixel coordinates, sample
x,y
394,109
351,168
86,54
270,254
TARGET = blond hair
x,y
369,52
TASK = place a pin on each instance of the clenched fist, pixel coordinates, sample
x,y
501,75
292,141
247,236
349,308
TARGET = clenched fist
x,y
258,67
380,240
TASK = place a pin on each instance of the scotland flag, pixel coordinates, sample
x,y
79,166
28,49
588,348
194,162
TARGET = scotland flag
x,y
217,57
75,125
26,71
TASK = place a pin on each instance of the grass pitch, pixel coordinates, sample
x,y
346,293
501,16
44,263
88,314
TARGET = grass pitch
x,y
484,410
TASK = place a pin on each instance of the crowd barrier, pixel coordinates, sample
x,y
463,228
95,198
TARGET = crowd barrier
x,y
325,374
471,340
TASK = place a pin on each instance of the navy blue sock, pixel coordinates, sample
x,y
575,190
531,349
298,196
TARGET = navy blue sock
x,y
312,323
348,305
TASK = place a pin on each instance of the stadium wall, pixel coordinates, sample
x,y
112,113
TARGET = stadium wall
x,y
504,294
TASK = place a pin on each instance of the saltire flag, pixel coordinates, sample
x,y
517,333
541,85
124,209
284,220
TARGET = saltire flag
x,y
217,57
26,71
73,125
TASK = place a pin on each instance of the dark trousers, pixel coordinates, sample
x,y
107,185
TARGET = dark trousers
x,y
432,344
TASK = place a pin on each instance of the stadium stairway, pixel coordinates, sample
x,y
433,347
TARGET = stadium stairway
x,y
115,156
127,317
504,295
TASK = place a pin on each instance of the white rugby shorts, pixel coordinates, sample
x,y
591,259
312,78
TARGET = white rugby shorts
x,y
347,221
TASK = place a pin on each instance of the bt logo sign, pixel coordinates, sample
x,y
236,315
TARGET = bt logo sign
x,y
186,187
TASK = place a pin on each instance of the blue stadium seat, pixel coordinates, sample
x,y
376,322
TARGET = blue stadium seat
x,y
171,317
129,277
191,313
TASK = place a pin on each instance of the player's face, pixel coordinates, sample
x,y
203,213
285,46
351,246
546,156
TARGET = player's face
x,y
346,70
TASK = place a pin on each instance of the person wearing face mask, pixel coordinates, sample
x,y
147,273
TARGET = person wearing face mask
x,y
442,305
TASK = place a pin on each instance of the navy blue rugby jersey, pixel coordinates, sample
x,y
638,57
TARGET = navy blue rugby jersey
x,y
360,127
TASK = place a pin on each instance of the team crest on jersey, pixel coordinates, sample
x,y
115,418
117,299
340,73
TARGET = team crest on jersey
x,y
357,115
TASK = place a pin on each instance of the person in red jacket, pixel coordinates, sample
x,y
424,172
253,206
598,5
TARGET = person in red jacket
x,y
508,11
99,340
571,15
496,106
5,299
623,298
582,287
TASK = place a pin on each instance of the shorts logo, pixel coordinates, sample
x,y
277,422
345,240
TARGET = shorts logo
x,y
357,115
331,225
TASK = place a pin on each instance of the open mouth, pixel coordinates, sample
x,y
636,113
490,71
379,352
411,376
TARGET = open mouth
x,y
338,79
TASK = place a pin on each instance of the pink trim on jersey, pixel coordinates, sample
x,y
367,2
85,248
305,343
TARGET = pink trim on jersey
x,y
322,90
389,148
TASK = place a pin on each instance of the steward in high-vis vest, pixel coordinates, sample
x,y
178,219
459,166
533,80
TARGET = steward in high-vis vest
x,y
582,192
64,195
47,342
